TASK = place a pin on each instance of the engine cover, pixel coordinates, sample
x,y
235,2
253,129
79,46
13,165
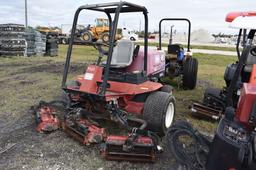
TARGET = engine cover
x,y
229,148
245,111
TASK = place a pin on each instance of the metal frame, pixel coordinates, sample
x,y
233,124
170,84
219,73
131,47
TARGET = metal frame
x,y
107,8
238,43
174,19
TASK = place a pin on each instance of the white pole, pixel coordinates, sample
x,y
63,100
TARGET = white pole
x,y
26,14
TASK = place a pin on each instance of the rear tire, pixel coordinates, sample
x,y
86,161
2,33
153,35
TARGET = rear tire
x,y
190,73
159,111
105,37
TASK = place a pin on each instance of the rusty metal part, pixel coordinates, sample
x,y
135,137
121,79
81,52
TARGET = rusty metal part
x,y
143,149
84,131
198,109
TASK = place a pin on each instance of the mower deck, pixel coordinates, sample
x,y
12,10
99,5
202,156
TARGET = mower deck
x,y
199,109
143,149
83,131
86,131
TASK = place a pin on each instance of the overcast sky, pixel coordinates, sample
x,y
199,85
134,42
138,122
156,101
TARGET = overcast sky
x,y
206,14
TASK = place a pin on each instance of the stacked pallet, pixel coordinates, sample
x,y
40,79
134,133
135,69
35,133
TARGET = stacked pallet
x,y
12,40
36,42
16,40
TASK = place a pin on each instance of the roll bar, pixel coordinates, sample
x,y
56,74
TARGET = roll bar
x,y
174,19
108,9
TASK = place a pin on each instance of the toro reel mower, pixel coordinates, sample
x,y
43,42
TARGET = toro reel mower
x,y
234,144
119,89
215,100
179,63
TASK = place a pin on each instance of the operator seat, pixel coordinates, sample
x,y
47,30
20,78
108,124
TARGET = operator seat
x,y
174,49
122,54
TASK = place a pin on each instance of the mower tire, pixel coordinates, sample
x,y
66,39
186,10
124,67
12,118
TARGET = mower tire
x,y
159,111
87,36
167,89
105,37
190,73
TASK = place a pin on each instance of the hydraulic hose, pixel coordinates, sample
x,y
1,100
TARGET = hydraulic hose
x,y
141,121
191,154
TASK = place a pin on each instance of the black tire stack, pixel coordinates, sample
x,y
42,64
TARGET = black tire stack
x,y
12,40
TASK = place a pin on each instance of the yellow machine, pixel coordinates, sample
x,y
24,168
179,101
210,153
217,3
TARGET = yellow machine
x,y
49,30
100,31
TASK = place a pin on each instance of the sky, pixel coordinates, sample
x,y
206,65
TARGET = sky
x,y
204,14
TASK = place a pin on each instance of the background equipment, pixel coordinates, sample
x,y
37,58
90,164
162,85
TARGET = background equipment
x,y
99,31
178,61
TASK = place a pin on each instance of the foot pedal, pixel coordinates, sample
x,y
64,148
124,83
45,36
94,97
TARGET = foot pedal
x,y
143,149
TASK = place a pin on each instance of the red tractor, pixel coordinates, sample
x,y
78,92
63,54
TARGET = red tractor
x,y
234,144
119,89
216,100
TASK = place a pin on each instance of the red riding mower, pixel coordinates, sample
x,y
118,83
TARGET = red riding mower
x,y
119,89
215,100
178,62
234,143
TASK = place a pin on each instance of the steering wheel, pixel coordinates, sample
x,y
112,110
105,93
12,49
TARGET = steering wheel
x,y
100,47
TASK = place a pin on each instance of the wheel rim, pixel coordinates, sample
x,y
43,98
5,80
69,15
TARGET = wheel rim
x,y
169,115
105,38
86,37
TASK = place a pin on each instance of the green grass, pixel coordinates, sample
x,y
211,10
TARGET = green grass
x,y
204,47
24,81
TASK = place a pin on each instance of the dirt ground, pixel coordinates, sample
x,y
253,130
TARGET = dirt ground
x,y
27,149
26,81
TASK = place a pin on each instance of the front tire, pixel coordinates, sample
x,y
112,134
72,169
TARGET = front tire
x,y
87,36
159,111
190,73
